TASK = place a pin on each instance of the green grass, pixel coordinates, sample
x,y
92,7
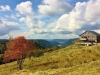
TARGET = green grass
x,y
72,60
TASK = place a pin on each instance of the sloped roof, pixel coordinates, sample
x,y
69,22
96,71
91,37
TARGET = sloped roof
x,y
95,33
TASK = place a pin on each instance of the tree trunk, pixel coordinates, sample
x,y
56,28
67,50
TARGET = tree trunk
x,y
20,66
20,63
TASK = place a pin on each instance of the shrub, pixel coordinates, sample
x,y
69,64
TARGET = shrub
x,y
55,48
35,53
38,53
48,50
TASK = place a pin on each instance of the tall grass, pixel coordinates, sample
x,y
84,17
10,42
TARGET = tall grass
x,y
71,60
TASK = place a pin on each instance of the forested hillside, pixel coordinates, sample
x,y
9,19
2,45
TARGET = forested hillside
x,y
3,44
44,43
37,43
62,42
40,44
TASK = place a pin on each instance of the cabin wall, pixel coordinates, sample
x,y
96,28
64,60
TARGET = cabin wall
x,y
98,38
89,36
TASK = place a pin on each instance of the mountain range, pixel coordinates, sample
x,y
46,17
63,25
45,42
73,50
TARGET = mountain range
x,y
48,43
62,42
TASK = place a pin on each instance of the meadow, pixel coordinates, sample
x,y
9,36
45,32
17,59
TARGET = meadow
x,y
71,60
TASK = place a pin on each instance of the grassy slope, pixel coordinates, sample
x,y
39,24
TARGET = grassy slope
x,y
72,60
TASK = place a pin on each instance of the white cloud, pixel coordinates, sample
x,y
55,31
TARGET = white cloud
x,y
14,16
93,11
6,27
52,7
18,33
5,8
4,37
34,24
77,20
11,16
25,8
84,16
22,19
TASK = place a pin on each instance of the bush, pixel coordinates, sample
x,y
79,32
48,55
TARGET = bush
x,y
55,48
35,53
38,53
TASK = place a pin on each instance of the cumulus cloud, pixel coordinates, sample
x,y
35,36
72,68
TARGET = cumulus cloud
x,y
53,7
81,18
71,23
25,8
90,15
34,24
6,27
5,8
93,11
73,20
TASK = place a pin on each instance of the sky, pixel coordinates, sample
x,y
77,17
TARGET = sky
x,y
48,19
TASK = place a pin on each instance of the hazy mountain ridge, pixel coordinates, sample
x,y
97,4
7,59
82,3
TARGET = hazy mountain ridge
x,y
44,43
48,43
62,42
69,42
39,42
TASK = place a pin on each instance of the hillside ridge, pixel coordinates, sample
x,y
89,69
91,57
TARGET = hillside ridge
x,y
70,60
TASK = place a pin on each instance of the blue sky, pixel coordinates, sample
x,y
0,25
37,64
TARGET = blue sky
x,y
48,19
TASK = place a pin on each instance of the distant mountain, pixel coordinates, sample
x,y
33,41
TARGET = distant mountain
x,y
39,46
55,42
44,43
41,43
62,42
69,42
58,42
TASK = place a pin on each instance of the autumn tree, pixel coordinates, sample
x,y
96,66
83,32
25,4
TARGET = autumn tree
x,y
18,50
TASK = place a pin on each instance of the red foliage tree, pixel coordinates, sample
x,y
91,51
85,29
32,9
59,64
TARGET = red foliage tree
x,y
18,50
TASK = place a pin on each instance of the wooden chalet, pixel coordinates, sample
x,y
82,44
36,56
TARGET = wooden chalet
x,y
90,38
